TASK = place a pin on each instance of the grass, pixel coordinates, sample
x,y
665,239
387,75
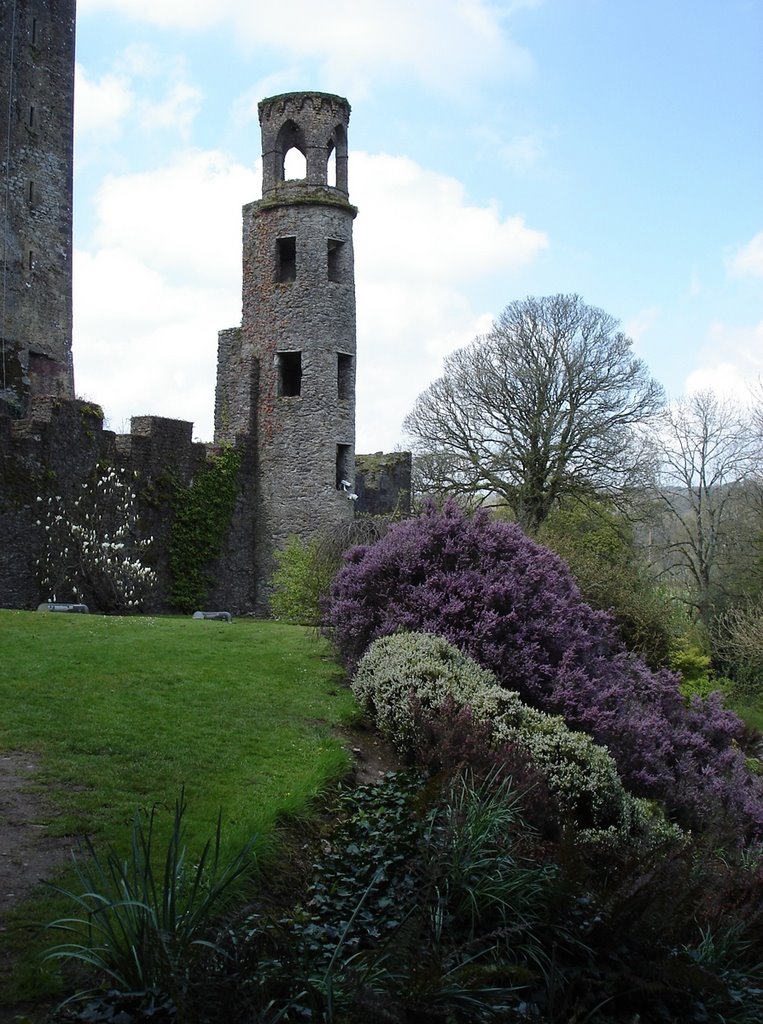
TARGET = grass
x,y
121,713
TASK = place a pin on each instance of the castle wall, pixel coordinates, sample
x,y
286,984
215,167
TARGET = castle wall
x,y
285,398
36,146
383,483
64,446
313,317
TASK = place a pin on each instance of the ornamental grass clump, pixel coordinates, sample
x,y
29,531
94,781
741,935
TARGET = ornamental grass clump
x,y
146,923
514,607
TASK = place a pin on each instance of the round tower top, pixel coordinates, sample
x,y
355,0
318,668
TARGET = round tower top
x,y
315,124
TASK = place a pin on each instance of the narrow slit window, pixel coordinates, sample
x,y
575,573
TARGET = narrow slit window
x,y
343,482
289,374
31,117
335,261
343,375
30,260
34,31
286,259
31,192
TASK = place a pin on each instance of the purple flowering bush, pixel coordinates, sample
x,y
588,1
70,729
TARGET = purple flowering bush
x,y
514,607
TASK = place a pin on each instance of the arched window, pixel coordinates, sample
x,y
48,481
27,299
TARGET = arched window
x,y
290,150
338,152
331,166
294,165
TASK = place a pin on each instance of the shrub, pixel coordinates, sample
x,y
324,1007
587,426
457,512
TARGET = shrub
x,y
738,645
424,907
406,680
414,664
299,583
306,569
598,546
694,667
93,550
514,607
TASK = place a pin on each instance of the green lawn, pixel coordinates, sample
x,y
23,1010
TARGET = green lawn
x,y
119,713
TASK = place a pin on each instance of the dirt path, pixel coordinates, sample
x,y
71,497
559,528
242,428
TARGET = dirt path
x,y
28,855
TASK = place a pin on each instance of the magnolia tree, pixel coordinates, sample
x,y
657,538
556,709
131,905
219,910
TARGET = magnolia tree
x,y
92,547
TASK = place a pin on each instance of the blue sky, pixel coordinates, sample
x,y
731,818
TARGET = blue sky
x,y
612,148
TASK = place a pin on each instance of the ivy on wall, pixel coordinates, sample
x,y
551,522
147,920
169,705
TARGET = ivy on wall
x,y
203,513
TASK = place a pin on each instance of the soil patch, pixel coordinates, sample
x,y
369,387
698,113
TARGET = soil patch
x,y
27,853
372,756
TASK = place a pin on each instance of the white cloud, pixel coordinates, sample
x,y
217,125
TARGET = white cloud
x,y
143,345
731,362
422,226
176,110
153,71
102,104
445,43
162,278
419,245
183,219
523,153
640,324
144,87
748,260
164,275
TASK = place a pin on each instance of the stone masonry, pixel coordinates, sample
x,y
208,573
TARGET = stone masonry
x,y
36,132
298,328
285,397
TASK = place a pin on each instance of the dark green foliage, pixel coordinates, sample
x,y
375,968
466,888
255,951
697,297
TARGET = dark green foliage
x,y
147,928
421,908
451,740
202,517
598,546
433,902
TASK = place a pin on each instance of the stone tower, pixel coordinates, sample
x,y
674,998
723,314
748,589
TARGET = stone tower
x,y
36,131
286,378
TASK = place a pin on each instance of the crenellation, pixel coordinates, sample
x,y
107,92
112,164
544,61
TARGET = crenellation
x,y
285,391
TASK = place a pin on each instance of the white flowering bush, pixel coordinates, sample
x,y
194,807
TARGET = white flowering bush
x,y
92,549
395,667
581,775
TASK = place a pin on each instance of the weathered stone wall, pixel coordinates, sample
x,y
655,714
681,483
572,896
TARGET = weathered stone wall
x,y
285,398
63,446
298,330
36,130
383,483
236,388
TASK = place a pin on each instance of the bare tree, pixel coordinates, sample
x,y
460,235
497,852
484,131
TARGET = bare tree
x,y
710,492
547,404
